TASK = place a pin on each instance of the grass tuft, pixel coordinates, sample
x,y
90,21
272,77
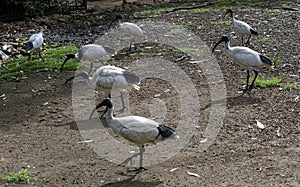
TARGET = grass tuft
x,y
263,40
21,176
273,10
263,82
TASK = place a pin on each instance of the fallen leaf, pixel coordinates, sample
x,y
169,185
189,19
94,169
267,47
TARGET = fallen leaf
x,y
193,174
260,125
86,141
204,140
171,170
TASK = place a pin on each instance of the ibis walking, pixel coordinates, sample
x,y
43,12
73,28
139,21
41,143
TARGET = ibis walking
x,y
89,53
36,41
108,77
136,129
129,29
242,27
247,58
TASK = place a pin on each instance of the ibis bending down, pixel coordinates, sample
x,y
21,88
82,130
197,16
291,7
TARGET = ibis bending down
x,y
108,77
136,129
129,29
89,53
36,41
247,58
242,27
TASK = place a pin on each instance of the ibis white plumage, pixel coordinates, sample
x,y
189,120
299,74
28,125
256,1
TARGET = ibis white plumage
x,y
129,29
108,77
89,53
247,58
242,27
36,41
136,129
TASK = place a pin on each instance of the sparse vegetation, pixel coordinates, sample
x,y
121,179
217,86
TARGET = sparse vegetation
x,y
263,40
198,11
21,176
53,60
264,82
226,22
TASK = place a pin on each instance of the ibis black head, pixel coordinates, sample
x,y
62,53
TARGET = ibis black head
x,y
118,17
106,102
229,11
223,38
43,22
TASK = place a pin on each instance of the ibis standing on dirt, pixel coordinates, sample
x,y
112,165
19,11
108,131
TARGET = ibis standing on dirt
x,y
247,58
242,27
109,77
129,29
36,41
136,129
89,53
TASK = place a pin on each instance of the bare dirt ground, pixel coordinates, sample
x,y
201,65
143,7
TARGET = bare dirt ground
x,y
38,129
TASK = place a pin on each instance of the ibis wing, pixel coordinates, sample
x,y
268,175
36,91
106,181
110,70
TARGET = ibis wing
x,y
138,129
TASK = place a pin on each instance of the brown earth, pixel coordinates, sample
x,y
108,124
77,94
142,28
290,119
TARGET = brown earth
x,y
38,129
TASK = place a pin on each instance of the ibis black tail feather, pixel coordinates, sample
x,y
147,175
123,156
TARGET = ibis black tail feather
x,y
266,60
29,46
255,33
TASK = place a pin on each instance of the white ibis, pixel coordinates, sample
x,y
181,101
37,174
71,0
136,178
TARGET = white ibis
x,y
136,129
89,53
107,77
129,29
242,27
247,58
36,41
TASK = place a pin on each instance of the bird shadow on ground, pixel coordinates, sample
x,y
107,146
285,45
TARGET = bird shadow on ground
x,y
88,124
234,101
132,183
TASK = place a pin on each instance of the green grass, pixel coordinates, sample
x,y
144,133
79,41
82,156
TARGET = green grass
x,y
263,82
224,7
185,50
142,54
198,11
263,40
21,176
156,10
53,60
225,22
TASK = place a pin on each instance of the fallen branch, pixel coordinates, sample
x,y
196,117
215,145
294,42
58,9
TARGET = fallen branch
x,y
189,7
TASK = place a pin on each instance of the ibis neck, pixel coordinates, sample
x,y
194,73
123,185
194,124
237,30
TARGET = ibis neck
x,y
227,48
119,22
109,115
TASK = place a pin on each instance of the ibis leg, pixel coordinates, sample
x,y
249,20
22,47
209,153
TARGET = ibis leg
x,y
248,41
255,76
131,41
29,57
248,76
40,55
91,67
129,159
242,40
123,102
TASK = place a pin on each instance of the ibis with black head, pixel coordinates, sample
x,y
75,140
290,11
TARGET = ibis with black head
x,y
136,129
247,58
242,27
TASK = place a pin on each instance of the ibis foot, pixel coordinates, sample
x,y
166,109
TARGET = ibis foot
x,y
138,170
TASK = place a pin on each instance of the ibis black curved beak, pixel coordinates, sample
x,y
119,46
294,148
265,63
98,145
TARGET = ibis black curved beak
x,y
81,74
69,56
220,41
111,23
97,107
224,38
